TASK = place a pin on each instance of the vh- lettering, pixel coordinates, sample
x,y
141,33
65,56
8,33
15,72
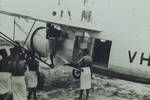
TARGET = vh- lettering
x,y
143,58
131,58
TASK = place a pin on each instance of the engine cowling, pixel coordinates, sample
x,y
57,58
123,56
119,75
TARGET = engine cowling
x,y
38,42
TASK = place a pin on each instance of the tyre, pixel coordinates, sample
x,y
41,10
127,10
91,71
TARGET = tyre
x,y
76,74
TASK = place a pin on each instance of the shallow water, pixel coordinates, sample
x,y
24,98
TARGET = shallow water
x,y
61,85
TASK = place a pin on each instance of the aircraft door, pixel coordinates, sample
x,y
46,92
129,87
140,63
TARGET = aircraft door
x,y
101,52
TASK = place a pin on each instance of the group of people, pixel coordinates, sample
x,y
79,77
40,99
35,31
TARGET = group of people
x,y
18,74
20,70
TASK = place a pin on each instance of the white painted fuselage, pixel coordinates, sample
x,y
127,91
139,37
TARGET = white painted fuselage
x,y
125,23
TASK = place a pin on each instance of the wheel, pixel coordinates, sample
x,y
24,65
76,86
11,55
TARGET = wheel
x,y
41,78
76,74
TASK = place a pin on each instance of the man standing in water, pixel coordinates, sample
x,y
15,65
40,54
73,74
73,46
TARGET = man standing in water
x,y
85,64
5,77
32,75
18,78
53,34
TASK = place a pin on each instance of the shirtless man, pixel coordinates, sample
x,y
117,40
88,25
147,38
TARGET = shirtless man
x,y
32,76
5,77
18,78
85,64
53,35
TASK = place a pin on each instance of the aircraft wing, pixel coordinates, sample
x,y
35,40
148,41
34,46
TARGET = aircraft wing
x,y
45,21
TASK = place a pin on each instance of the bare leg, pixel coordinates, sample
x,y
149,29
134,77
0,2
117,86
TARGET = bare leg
x,y
6,96
53,50
87,94
9,96
91,72
29,94
34,93
51,57
81,93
